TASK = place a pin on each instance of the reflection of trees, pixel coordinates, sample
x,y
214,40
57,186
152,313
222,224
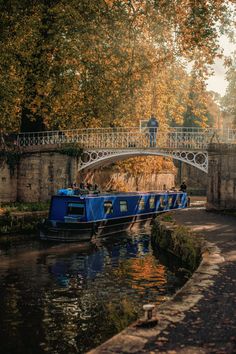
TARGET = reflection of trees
x,y
175,271
82,320
106,303
59,322
68,303
20,304
146,272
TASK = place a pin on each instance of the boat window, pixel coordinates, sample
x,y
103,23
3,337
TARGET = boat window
x,y
162,202
108,207
123,206
152,202
170,201
141,204
179,200
75,209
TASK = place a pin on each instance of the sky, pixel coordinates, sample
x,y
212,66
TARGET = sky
x,y
217,82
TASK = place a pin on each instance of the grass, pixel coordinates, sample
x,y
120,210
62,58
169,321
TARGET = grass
x,y
14,207
167,217
12,223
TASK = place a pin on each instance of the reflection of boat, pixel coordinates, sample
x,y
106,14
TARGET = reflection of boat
x,y
79,217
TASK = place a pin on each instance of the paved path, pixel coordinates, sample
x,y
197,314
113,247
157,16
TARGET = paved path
x,y
201,317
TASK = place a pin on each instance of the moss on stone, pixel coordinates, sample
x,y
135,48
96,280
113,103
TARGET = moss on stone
x,y
11,157
177,240
73,150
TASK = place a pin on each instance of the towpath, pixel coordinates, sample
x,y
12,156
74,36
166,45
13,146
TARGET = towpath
x,y
201,317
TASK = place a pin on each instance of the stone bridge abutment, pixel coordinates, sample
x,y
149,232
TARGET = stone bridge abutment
x,y
221,186
36,177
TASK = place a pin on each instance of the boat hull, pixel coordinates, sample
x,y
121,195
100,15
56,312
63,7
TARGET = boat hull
x,y
64,235
79,232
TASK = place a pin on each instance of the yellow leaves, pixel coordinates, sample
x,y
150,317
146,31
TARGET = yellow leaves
x,y
145,165
119,185
94,123
228,61
110,62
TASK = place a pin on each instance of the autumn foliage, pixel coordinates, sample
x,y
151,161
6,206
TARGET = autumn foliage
x,y
85,63
70,64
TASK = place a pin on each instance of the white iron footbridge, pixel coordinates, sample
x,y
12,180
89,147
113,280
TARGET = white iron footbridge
x,y
105,145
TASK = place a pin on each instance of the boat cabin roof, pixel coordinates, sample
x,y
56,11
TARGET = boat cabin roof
x,y
114,194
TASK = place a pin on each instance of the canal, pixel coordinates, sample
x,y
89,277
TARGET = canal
x,y
67,299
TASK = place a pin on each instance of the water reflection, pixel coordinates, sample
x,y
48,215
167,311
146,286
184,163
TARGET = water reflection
x,y
69,298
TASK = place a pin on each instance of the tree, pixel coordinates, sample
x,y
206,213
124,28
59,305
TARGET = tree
x,y
76,63
229,100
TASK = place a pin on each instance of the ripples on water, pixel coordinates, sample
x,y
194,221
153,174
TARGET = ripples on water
x,y
70,298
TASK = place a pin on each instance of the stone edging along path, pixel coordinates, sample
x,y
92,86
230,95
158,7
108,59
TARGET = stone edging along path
x,y
174,316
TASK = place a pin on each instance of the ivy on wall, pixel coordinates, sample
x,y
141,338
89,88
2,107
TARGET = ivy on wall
x,y
11,157
71,150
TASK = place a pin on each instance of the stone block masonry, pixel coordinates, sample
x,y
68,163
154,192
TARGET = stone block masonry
x,y
37,176
8,183
221,191
40,175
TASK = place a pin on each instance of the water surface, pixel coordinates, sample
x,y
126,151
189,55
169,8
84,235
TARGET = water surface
x,y
70,298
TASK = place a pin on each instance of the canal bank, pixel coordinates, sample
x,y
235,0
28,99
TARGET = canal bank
x,y
20,222
200,318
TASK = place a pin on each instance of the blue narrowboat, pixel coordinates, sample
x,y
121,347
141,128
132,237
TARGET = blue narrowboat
x,y
75,217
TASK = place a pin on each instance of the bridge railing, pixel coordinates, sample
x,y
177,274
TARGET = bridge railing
x,y
132,137
229,136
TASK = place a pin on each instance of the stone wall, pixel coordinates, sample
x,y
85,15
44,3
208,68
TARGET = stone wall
x,y
40,175
195,179
108,179
8,183
221,192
